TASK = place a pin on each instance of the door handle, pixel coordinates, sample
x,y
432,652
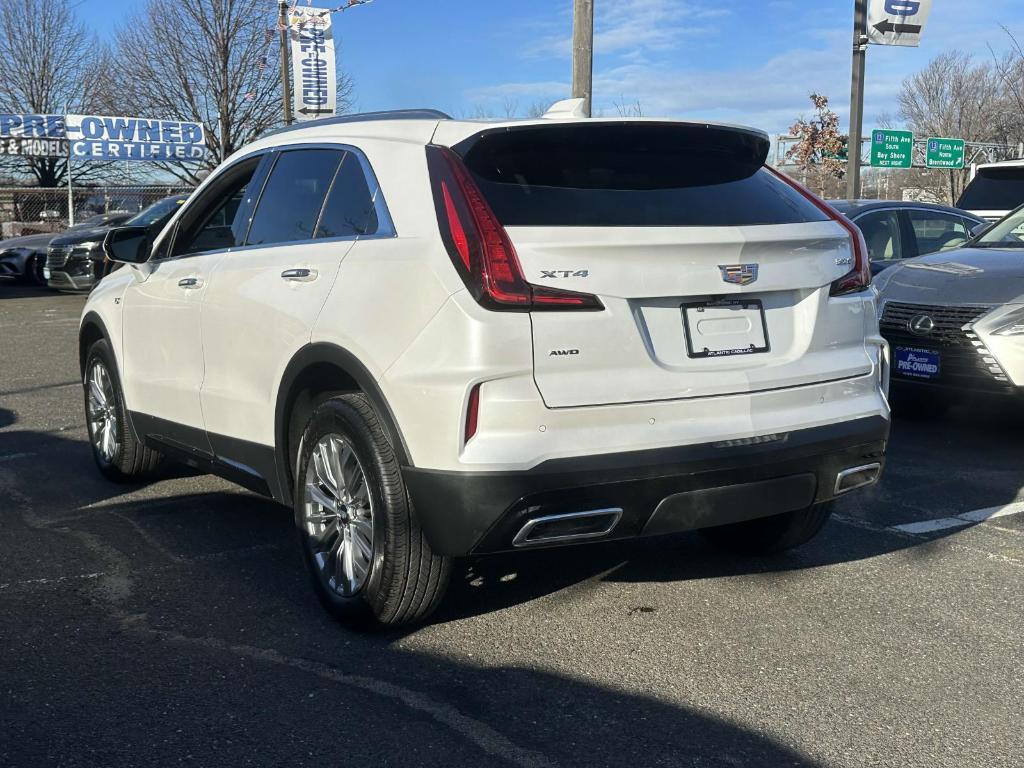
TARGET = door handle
x,y
301,275
189,283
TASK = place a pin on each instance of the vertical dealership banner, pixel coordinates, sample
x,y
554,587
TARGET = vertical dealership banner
x,y
897,22
98,137
314,77
33,136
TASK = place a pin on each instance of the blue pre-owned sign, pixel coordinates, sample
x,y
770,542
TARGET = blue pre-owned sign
x,y
98,137
32,135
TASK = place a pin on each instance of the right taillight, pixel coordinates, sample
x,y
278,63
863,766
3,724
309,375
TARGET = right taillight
x,y
480,247
859,277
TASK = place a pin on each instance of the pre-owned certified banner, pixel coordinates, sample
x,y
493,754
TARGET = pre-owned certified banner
x,y
33,135
97,137
314,78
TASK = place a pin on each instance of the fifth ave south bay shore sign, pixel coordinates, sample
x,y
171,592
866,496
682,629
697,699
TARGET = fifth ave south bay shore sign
x,y
98,137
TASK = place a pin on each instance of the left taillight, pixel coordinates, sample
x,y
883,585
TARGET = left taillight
x,y
480,248
859,277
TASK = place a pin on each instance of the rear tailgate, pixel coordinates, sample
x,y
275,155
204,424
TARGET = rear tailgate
x,y
714,275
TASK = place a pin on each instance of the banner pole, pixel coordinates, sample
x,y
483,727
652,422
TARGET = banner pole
x,y
286,88
71,197
860,50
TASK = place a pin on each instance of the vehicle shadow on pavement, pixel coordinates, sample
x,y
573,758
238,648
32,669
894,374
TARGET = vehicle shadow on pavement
x,y
168,616
167,522
10,289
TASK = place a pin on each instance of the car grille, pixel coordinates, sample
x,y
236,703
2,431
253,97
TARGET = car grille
x,y
57,256
965,361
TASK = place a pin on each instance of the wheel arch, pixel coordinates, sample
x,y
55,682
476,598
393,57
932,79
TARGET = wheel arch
x,y
315,372
91,330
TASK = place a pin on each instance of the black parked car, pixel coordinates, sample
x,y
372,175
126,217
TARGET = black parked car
x,y
75,261
896,230
25,257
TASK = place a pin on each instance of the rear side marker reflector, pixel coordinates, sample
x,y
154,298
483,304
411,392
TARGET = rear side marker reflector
x,y
858,278
480,248
472,412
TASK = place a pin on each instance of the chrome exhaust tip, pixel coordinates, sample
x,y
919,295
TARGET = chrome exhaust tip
x,y
571,526
857,477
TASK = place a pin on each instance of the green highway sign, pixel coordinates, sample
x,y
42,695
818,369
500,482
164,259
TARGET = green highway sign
x,y
891,149
944,153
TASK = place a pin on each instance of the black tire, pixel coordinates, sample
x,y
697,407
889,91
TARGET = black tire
x,y
130,460
33,274
767,535
406,579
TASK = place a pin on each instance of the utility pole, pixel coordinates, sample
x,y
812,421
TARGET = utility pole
x,y
286,83
583,53
860,52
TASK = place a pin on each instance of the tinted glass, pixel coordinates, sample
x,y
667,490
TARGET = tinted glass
x,y
293,196
994,189
208,223
632,175
937,231
882,234
349,210
159,210
1008,232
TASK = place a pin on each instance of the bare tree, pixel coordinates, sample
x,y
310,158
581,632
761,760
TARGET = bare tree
x,y
630,109
821,146
207,61
50,65
955,97
1010,70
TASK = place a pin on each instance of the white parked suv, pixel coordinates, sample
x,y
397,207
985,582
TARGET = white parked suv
x,y
435,338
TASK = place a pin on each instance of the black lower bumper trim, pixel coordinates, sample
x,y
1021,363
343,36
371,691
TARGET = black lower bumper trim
x,y
691,486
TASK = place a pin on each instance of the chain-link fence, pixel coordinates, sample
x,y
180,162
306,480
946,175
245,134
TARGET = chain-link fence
x,y
31,210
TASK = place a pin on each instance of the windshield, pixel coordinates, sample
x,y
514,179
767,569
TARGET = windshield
x,y
157,211
994,189
1006,233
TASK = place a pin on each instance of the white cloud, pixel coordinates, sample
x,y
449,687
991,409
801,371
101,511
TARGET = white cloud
x,y
635,26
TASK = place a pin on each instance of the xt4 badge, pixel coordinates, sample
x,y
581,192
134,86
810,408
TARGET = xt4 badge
x,y
556,273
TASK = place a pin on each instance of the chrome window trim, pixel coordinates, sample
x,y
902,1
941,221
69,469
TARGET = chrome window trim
x,y
385,224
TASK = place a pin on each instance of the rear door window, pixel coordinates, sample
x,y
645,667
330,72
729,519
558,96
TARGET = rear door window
x,y
293,196
350,210
882,234
935,231
631,174
994,189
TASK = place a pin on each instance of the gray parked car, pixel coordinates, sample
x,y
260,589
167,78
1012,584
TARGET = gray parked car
x,y
896,230
955,320
24,257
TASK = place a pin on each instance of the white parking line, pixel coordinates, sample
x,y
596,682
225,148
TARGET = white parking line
x,y
967,518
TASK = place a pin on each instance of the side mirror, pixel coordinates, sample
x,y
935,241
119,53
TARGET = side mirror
x,y
980,229
128,245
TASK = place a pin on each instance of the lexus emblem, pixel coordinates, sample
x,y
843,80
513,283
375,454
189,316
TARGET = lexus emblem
x,y
739,274
922,325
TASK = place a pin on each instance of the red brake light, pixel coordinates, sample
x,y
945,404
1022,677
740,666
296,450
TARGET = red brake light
x,y
858,278
480,248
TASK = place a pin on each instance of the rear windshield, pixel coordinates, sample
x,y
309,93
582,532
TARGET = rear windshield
x,y
631,175
994,189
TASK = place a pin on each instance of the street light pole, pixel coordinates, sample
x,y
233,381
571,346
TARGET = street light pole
x,y
583,53
860,51
286,84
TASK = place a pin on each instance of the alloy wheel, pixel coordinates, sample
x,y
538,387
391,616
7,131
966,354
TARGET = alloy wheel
x,y
102,411
338,515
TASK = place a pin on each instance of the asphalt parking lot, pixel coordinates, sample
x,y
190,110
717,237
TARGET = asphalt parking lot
x,y
172,623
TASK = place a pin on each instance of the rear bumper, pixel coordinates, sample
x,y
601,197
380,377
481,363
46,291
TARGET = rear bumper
x,y
659,491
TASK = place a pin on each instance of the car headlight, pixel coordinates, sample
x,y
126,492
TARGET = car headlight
x,y
1012,324
87,248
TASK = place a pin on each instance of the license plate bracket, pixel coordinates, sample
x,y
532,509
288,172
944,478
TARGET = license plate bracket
x,y
725,328
917,362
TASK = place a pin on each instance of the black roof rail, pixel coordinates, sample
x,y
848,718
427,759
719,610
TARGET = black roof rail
x,y
364,117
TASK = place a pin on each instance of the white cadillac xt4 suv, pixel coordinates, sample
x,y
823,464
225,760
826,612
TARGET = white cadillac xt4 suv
x,y
435,338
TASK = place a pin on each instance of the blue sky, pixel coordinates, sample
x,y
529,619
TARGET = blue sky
x,y
748,61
